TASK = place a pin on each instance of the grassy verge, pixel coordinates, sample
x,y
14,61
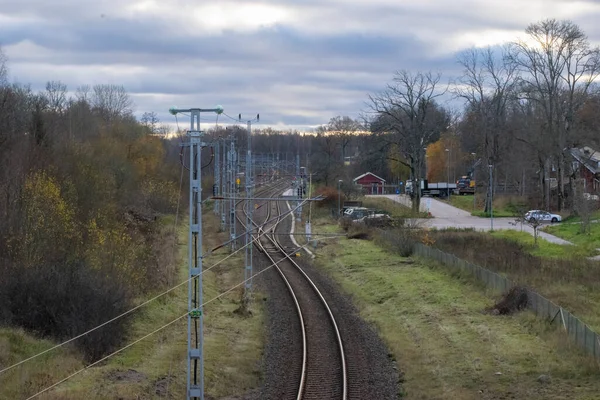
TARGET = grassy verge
x,y
572,233
29,378
445,345
504,206
544,248
156,367
576,219
569,280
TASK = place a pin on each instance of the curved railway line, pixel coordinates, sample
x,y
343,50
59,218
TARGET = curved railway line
x,y
323,371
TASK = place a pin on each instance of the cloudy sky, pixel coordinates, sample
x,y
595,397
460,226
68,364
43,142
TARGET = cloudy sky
x,y
296,62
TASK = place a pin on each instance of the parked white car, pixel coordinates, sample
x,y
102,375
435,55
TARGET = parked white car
x,y
542,216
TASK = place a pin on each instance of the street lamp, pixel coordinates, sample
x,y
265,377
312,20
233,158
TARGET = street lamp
x,y
491,185
474,181
448,171
425,162
339,198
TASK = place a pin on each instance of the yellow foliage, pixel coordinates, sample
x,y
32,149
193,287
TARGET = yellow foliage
x,y
48,220
147,154
112,250
426,239
441,163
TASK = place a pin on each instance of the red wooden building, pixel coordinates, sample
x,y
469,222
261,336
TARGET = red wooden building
x,y
371,183
587,164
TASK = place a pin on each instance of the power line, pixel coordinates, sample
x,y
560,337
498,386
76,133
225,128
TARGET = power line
x,y
144,303
161,328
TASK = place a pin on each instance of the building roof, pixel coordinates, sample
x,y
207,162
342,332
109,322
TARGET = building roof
x,y
365,174
589,157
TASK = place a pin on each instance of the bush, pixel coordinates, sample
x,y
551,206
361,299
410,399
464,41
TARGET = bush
x,y
401,240
346,223
330,195
359,231
63,301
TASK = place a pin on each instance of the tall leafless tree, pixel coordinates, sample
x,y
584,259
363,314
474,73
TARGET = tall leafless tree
x,y
151,121
111,101
557,65
407,111
487,85
56,93
3,69
344,128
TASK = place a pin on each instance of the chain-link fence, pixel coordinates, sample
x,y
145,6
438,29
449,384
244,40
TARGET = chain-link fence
x,y
586,338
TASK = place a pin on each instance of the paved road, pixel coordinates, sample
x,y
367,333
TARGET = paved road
x,y
447,216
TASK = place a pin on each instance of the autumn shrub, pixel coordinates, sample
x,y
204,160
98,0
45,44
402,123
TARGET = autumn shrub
x,y
330,197
345,223
63,300
359,230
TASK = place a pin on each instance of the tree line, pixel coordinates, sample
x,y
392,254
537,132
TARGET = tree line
x,y
86,198
526,105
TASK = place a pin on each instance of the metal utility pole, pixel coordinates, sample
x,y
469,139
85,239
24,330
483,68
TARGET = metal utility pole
x,y
308,223
448,172
491,167
217,178
249,178
232,178
223,188
299,189
195,340
339,213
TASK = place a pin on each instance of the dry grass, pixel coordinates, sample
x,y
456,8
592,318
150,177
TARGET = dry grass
x,y
572,282
150,369
445,345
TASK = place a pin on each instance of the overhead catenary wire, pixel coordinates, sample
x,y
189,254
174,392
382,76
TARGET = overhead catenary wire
x,y
149,300
161,328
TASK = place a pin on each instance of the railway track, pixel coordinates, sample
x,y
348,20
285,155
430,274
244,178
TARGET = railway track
x,y
322,373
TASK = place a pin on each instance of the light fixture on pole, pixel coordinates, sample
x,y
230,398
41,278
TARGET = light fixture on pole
x,y
425,162
448,171
339,198
491,167
474,181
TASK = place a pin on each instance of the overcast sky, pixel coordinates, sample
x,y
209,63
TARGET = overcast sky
x,y
296,62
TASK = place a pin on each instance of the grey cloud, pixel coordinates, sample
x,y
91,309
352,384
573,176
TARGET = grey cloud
x,y
291,73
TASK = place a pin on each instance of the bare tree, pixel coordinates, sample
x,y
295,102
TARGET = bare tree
x,y
82,94
111,101
487,85
325,160
3,69
407,110
344,127
56,94
151,121
558,66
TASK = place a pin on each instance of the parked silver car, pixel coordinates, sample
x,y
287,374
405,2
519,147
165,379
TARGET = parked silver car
x,y
542,216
